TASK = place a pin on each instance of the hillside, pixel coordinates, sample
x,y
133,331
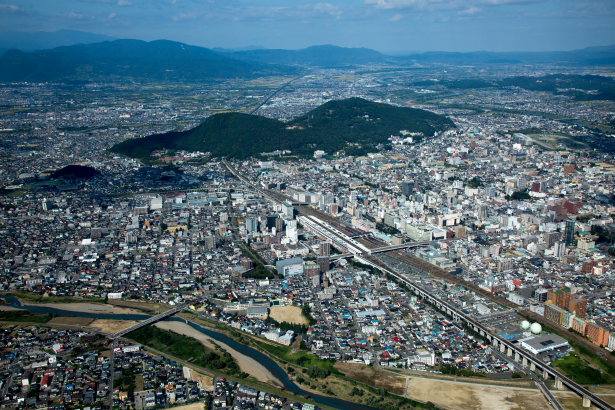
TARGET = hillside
x,y
159,60
41,40
330,127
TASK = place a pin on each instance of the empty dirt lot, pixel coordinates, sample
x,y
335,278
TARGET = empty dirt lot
x,y
290,314
469,396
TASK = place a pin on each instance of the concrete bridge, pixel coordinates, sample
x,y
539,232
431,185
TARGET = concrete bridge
x,y
150,320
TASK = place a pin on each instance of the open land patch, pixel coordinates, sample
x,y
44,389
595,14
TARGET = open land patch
x,y
112,325
467,396
289,314
70,321
84,307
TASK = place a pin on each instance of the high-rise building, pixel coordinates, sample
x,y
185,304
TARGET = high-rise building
x,y
324,248
554,313
569,233
279,224
560,297
334,209
312,270
482,212
251,224
578,306
323,262
47,204
288,210
271,221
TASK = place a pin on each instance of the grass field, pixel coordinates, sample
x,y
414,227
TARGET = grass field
x,y
23,316
38,298
186,348
581,372
300,358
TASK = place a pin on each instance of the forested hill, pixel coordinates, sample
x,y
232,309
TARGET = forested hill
x,y
354,125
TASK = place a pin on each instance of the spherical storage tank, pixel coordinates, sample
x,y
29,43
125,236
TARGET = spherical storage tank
x,y
536,328
525,325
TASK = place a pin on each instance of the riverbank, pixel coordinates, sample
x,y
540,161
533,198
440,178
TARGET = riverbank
x,y
246,363
84,307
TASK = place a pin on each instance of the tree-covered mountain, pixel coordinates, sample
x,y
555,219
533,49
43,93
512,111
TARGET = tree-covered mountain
x,y
159,60
41,40
354,125
315,56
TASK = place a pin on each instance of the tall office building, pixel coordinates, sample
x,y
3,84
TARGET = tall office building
x,y
271,221
569,233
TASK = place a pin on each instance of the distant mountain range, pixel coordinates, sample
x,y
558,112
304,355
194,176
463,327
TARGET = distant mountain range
x,y
160,60
164,60
42,40
317,56
587,56
354,125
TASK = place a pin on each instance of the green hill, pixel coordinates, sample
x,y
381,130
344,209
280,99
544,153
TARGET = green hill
x,y
354,125
75,172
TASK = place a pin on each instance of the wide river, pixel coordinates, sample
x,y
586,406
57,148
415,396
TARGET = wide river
x,y
263,359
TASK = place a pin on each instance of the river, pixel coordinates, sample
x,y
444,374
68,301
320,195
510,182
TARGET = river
x,y
260,357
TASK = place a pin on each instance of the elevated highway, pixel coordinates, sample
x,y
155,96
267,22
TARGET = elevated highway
x,y
504,345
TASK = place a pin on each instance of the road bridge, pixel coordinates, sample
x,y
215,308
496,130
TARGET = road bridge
x,y
150,320
406,245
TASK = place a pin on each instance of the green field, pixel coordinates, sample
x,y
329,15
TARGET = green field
x,y
23,316
38,298
300,358
581,372
186,348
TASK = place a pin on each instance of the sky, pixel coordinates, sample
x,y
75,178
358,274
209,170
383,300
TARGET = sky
x,y
385,25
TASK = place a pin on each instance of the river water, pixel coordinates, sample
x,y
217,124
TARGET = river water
x,y
260,357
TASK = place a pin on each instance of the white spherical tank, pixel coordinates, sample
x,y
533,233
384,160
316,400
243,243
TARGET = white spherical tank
x,y
525,325
536,328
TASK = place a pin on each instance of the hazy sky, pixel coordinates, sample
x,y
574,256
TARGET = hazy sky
x,y
385,25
